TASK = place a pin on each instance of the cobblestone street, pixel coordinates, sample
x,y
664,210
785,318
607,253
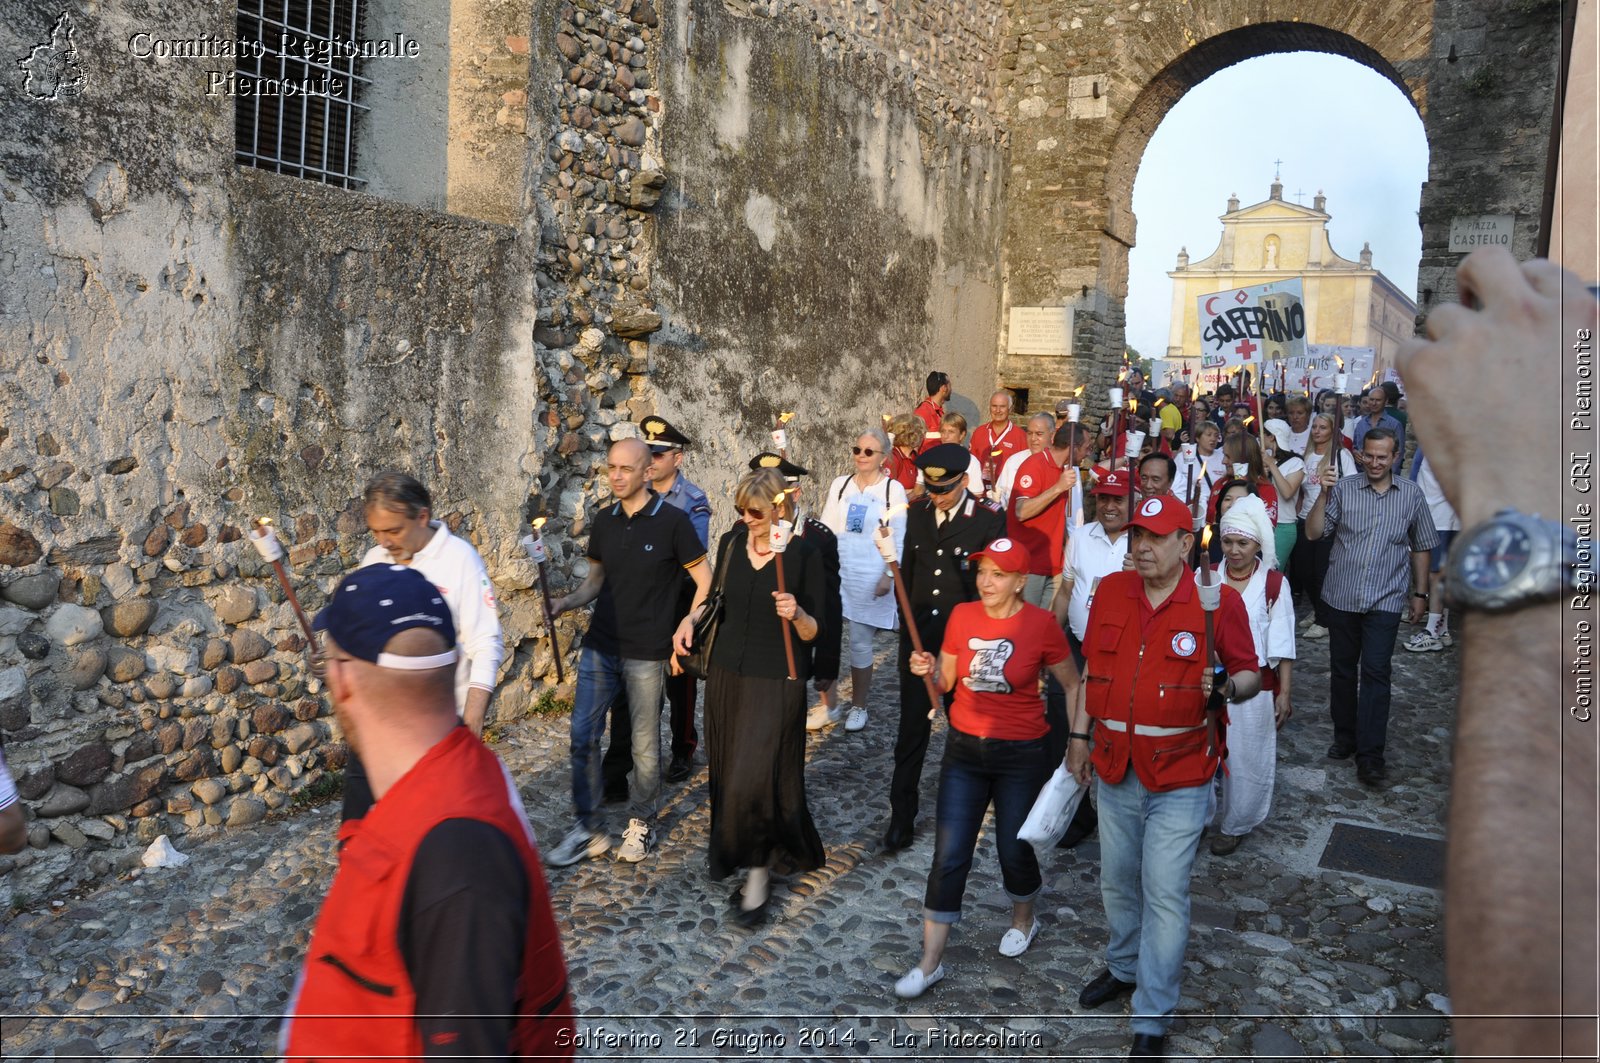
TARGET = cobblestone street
x,y
1285,960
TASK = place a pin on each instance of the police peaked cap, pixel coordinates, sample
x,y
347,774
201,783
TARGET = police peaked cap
x,y
788,469
658,433
944,462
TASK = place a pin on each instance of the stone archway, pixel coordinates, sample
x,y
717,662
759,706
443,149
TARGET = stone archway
x,y
1084,87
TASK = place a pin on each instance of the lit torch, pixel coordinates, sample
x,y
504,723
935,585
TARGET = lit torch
x,y
1340,379
780,434
884,541
1128,446
533,544
1075,408
780,530
265,540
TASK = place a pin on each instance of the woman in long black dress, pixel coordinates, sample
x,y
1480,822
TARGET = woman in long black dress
x,y
755,715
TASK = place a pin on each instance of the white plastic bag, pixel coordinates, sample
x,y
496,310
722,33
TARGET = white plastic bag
x,y
1052,810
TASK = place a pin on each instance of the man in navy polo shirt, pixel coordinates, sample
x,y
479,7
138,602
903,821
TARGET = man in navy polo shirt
x,y
639,549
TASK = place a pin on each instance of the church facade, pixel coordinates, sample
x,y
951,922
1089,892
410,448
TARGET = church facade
x,y
1348,302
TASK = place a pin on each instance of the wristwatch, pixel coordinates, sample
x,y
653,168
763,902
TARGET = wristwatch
x,y
1513,560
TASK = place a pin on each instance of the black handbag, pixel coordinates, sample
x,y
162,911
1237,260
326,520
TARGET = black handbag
x,y
698,660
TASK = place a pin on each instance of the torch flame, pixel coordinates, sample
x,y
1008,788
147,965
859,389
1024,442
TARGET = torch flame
x,y
539,522
996,452
890,513
263,522
1133,405
886,418
1077,392
1249,420
777,499
1340,361
1205,538
785,417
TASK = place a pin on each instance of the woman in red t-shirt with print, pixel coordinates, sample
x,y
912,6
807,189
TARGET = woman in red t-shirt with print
x,y
995,651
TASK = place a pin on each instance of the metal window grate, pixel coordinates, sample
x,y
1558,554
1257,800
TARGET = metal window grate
x,y
298,101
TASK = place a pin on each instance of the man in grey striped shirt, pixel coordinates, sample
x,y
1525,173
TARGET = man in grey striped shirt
x,y
1378,523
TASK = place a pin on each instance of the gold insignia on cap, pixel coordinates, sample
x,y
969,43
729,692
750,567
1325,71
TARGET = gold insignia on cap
x,y
933,472
654,426
770,461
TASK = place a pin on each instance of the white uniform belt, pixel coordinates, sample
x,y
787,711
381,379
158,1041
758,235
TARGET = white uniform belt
x,y
1146,729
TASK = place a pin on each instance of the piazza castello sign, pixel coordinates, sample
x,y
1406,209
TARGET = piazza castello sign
x,y
1481,230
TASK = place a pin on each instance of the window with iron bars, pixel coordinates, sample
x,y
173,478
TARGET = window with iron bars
x,y
299,94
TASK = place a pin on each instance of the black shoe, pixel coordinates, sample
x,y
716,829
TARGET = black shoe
x,y
1148,1046
1338,752
617,793
678,770
897,837
752,917
1105,987
1371,774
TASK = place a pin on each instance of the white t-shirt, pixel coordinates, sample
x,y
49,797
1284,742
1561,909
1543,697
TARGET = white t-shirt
x,y
452,565
1298,441
1439,507
1311,486
1091,555
8,789
1288,510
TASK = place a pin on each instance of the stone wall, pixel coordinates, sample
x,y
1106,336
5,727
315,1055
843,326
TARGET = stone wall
x,y
185,346
862,236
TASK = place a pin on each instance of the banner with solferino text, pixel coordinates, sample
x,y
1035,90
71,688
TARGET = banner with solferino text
x,y
1249,326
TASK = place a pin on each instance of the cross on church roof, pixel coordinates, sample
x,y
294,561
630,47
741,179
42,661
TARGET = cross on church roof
x,y
1297,195
1278,176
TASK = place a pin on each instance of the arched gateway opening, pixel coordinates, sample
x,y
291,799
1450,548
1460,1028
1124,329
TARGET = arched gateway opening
x,y
1091,85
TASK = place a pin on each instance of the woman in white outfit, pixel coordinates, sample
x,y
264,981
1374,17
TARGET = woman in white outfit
x,y
854,505
1248,566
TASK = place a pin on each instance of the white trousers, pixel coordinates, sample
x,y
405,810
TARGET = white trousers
x,y
1246,787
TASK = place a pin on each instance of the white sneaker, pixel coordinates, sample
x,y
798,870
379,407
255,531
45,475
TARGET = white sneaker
x,y
1015,942
1422,642
637,841
914,983
579,844
820,716
1314,632
855,719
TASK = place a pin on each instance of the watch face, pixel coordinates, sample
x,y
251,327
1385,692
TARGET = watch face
x,y
1494,559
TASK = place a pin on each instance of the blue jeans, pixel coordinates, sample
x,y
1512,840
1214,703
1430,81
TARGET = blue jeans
x,y
976,771
1360,643
1147,843
600,677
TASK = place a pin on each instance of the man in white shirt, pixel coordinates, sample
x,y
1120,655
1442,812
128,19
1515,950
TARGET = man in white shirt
x,y
1095,551
399,515
1041,426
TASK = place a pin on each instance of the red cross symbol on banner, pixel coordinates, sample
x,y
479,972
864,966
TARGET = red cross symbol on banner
x,y
1246,348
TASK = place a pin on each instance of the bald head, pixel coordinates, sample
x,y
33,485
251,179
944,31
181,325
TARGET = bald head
x,y
628,469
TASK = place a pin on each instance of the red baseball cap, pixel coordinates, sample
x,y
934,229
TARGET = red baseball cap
x,y
1010,555
1162,514
1112,483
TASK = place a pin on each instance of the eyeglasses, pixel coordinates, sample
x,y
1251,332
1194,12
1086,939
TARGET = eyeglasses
x,y
753,514
868,451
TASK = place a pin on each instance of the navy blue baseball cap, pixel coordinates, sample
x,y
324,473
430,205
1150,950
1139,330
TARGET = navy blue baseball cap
x,y
374,604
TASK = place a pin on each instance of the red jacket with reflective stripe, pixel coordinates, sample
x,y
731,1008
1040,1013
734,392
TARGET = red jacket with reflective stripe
x,y
354,966
1153,679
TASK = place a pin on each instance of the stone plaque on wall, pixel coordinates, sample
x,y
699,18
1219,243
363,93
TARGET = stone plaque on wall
x,y
1481,230
1040,330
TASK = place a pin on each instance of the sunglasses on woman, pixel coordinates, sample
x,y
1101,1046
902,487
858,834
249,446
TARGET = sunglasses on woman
x,y
753,514
868,451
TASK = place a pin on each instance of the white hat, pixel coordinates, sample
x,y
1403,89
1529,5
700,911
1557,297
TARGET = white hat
x,y
1248,517
1281,432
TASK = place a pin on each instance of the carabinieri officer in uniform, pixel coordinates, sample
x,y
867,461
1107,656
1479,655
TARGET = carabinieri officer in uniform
x,y
943,529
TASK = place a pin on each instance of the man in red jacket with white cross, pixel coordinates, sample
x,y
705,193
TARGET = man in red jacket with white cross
x,y
1156,748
